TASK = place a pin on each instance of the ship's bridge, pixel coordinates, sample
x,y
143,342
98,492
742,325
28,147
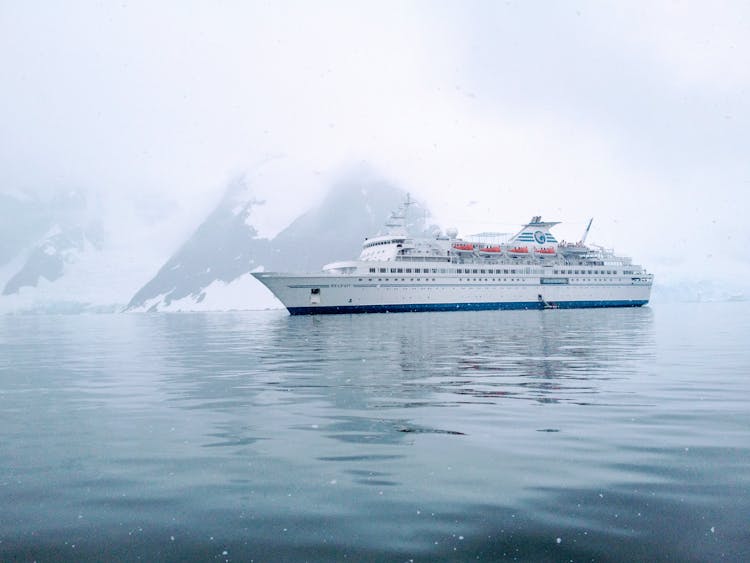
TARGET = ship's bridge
x,y
344,267
384,247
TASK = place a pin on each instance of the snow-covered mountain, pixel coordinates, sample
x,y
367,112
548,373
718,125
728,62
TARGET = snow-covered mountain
x,y
211,271
62,253
42,240
223,248
47,260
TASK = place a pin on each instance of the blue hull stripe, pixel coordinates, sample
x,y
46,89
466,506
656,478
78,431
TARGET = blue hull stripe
x,y
419,307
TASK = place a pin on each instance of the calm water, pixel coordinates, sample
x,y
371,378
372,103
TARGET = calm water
x,y
531,435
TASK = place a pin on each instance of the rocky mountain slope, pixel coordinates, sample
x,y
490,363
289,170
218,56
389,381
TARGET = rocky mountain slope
x,y
211,271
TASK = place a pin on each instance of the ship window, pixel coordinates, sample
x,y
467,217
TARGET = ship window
x,y
408,270
382,270
474,271
400,270
315,291
482,271
372,271
459,271
512,271
393,270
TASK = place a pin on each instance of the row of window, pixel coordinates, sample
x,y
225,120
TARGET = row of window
x,y
586,272
433,279
404,279
441,271
381,242
484,271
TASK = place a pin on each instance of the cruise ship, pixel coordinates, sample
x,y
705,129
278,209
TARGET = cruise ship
x,y
396,272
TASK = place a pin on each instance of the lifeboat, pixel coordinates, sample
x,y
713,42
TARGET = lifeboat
x,y
518,250
463,247
490,250
546,251
574,248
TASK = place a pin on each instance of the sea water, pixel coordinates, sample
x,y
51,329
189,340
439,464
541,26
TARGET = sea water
x,y
584,435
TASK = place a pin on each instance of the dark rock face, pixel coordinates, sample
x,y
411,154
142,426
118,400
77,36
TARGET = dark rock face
x,y
47,260
224,247
24,221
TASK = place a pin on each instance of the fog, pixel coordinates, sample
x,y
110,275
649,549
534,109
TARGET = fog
x,y
636,114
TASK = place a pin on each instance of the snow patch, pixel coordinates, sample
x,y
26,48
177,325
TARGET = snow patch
x,y
242,293
93,279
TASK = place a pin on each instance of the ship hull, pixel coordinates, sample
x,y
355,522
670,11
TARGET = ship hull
x,y
347,294
425,307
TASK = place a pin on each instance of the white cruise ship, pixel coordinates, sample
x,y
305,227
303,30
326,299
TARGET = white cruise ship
x,y
531,270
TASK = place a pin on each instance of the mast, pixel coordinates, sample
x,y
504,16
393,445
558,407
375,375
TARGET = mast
x,y
396,223
586,232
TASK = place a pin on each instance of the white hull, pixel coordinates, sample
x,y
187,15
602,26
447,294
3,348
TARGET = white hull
x,y
357,293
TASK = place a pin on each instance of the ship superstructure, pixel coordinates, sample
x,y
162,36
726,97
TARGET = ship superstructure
x,y
396,272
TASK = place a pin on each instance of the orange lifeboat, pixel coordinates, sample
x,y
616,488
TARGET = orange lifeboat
x,y
546,251
463,247
519,250
490,250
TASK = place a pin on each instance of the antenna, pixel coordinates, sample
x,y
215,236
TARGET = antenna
x,y
586,232
396,222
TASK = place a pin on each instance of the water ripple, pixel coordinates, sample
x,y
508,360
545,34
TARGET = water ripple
x,y
530,435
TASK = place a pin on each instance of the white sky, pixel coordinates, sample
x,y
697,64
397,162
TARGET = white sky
x,y
635,113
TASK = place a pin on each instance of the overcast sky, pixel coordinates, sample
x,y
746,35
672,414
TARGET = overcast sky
x,y
636,113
